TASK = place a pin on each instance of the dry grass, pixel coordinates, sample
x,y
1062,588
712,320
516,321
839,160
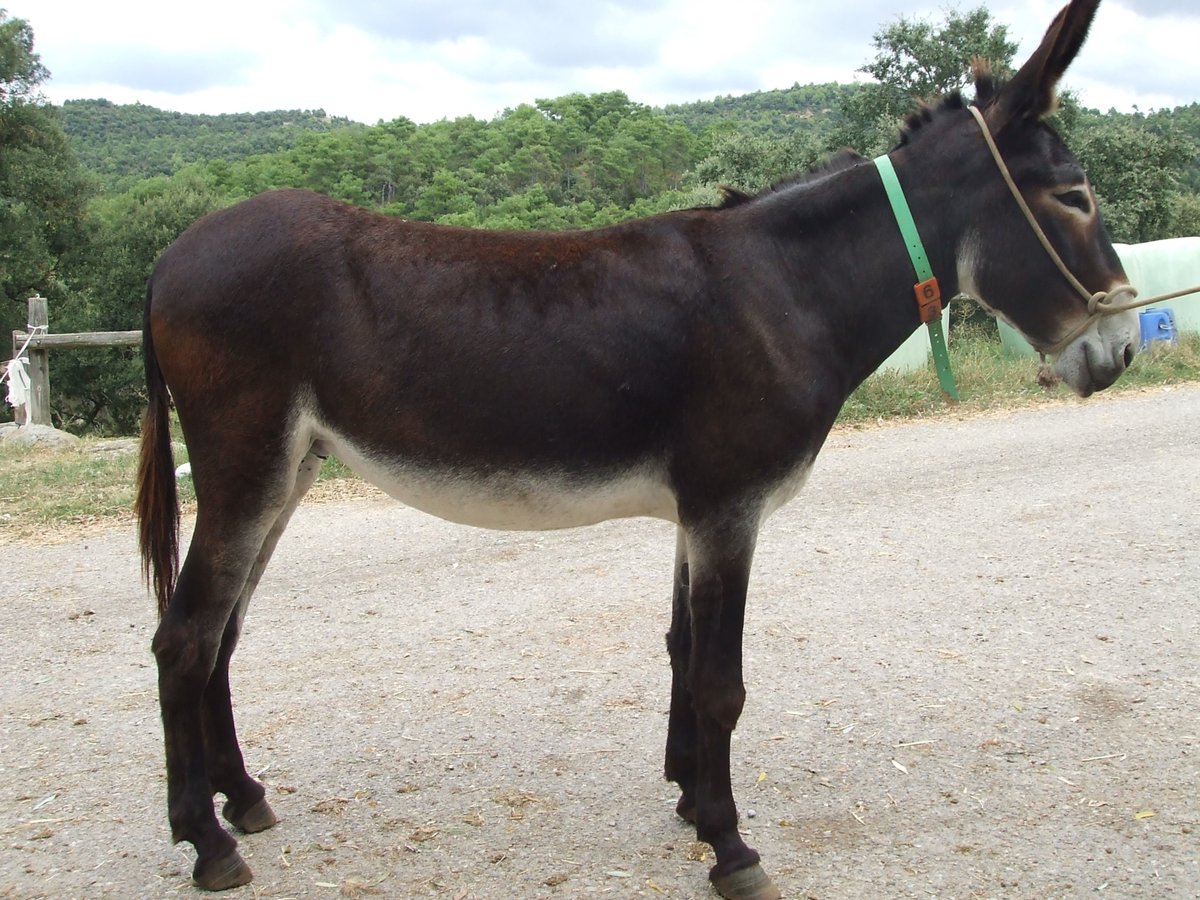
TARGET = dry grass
x,y
55,495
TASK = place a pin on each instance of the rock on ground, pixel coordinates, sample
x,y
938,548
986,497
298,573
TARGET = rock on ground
x,y
36,436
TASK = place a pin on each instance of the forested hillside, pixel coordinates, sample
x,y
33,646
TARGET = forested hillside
x,y
777,113
126,143
598,154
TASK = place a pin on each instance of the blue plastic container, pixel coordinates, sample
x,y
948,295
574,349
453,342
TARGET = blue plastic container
x,y
1158,325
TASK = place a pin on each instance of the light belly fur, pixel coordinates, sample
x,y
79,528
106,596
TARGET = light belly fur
x,y
516,501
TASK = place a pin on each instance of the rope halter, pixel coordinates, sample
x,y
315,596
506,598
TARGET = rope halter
x,y
1121,298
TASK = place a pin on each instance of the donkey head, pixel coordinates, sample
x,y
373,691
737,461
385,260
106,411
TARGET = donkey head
x,y
1006,268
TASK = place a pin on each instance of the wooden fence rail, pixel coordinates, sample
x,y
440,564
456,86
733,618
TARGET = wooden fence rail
x,y
38,343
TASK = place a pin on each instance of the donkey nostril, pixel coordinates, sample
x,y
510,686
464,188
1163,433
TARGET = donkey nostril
x,y
1128,354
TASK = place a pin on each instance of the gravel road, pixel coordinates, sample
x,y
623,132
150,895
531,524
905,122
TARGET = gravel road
x,y
972,659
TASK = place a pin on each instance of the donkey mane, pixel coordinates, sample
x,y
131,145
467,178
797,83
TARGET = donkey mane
x,y
985,86
838,162
926,113
988,84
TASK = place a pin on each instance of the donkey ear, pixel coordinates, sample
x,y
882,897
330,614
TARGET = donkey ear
x,y
1032,92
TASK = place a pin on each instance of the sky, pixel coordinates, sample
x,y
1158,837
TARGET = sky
x,y
373,60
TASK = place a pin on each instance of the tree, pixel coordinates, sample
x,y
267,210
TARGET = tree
x,y
21,70
1186,121
107,273
919,60
42,189
1136,172
446,194
751,162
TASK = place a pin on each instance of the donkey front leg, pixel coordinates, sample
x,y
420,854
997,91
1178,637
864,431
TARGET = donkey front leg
x,y
719,557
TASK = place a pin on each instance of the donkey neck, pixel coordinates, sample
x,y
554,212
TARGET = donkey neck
x,y
851,269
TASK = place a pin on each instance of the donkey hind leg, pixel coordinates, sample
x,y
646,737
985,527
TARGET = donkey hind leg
x,y
680,765
246,807
719,557
234,534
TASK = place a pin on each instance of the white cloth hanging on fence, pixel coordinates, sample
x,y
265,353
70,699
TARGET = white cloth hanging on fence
x,y
16,372
17,376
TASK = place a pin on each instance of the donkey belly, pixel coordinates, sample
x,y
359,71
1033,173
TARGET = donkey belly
x,y
525,500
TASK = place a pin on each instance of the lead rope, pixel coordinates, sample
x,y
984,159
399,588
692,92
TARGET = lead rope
x,y
1099,304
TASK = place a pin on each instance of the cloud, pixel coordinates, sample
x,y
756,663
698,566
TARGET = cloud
x,y
548,33
1136,59
152,69
428,59
1180,8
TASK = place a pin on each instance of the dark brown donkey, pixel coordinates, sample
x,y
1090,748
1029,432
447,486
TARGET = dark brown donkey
x,y
686,366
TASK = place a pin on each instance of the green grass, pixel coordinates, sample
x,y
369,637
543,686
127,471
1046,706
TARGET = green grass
x,y
45,491
41,489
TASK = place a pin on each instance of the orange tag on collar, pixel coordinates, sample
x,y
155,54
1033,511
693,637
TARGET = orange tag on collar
x,y
929,300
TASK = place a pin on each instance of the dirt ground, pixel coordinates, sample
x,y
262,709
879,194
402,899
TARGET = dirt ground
x,y
972,660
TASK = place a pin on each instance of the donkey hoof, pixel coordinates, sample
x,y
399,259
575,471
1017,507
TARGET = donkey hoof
x,y
257,818
222,873
750,883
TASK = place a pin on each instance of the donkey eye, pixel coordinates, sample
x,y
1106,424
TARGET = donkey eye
x,y
1076,199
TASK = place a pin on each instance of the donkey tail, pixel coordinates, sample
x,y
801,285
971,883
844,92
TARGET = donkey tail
x,y
157,503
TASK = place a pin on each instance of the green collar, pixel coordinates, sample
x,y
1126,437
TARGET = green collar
x,y
928,294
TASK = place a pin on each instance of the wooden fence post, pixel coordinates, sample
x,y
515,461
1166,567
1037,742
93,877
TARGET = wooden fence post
x,y
38,343
38,412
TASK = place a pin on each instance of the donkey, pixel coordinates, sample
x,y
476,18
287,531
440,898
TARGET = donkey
x,y
686,366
